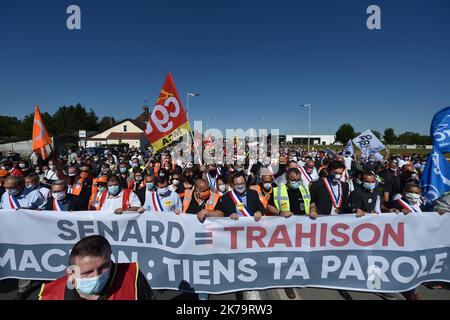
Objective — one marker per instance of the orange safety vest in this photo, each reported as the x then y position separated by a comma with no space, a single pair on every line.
263,198
77,186
123,285
210,204
96,201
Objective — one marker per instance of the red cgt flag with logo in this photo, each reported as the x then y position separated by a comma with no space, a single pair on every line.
41,138
168,120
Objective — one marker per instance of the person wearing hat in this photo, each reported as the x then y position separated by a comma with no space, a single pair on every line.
409,175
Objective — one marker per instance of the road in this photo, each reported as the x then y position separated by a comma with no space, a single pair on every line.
8,289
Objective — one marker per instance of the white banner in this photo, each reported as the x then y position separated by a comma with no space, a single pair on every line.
380,253
368,143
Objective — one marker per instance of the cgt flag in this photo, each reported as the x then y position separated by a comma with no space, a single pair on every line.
41,138
435,180
168,121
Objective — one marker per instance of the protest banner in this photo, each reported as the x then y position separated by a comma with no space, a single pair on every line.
377,253
168,121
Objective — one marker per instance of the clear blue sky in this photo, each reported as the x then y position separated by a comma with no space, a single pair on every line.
248,59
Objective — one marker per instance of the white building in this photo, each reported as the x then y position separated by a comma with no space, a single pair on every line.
316,140
128,131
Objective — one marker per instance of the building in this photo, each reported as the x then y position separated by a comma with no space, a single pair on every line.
316,140
128,131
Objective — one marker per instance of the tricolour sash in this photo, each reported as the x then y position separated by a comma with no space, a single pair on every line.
57,205
406,205
336,200
240,204
14,203
156,202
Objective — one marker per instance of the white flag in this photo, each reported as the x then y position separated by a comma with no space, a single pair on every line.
349,148
368,143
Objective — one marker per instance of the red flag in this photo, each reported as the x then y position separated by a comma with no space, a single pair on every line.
168,121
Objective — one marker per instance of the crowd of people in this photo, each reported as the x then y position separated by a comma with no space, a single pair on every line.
295,182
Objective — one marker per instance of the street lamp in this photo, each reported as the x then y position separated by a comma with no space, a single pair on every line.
308,105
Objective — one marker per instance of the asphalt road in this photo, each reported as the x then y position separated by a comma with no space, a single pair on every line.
8,290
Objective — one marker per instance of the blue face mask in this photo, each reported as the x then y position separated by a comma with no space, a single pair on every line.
123,170
369,186
94,285
150,185
114,190
295,184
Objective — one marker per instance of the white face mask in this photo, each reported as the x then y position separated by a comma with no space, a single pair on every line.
58,195
222,188
163,191
413,197
176,182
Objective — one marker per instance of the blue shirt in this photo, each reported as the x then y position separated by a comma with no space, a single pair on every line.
27,199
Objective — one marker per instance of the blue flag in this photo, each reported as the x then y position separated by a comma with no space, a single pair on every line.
440,130
435,180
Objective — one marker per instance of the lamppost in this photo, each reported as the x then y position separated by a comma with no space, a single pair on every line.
308,105
189,94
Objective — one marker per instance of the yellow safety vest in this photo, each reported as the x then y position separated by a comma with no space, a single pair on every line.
281,198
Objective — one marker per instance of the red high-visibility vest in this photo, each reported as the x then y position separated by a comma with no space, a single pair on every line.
123,286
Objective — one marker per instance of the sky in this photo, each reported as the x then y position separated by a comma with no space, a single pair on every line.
253,61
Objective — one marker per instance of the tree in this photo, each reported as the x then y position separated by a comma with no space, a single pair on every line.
345,133
106,123
389,136
73,118
377,134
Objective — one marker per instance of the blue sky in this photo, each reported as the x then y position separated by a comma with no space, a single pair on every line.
252,61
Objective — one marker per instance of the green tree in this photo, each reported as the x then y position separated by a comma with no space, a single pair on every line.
377,134
73,118
345,133
389,136
106,123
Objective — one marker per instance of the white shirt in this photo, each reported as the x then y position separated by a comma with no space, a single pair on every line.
51,175
112,203
169,203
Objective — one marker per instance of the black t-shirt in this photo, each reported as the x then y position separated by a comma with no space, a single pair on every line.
194,207
362,199
296,202
253,203
392,184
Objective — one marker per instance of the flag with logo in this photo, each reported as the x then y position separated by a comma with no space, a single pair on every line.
41,138
435,179
368,143
440,130
168,121
349,148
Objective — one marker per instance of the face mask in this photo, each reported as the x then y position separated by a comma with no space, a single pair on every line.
94,285
369,186
267,186
114,190
240,188
413,197
138,178
176,182
222,188
414,176
371,160
123,170
22,165
84,175
150,185
58,195
13,192
52,167
102,189
238,169
135,165
72,174
294,184
204,195
30,186
38,171
163,191
335,178
189,165
309,170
